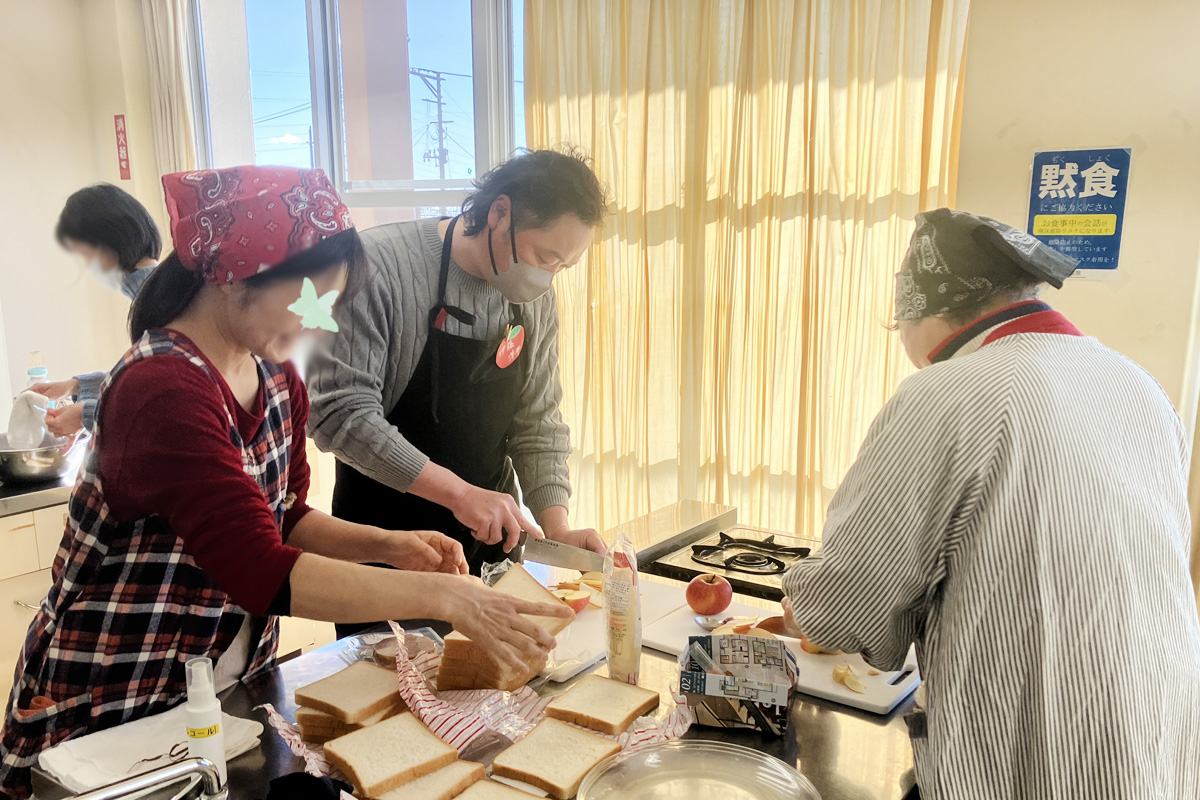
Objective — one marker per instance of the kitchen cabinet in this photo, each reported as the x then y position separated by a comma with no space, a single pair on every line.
19,597
18,543
298,635
48,527
295,634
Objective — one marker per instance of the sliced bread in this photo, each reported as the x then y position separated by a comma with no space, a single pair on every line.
318,727
602,704
467,665
380,758
354,694
554,757
519,583
491,790
449,781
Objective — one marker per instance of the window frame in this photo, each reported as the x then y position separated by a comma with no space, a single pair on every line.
495,117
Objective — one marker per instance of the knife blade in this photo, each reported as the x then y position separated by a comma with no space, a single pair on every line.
557,554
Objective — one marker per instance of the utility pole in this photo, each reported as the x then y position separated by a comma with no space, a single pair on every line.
433,81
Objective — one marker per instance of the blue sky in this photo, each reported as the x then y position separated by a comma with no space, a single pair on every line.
439,39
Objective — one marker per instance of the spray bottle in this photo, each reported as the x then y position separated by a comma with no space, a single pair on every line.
204,735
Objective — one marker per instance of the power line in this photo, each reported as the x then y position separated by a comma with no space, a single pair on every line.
433,79
284,113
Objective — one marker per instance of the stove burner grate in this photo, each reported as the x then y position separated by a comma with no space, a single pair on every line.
754,556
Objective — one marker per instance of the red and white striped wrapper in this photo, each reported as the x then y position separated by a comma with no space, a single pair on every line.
315,762
462,717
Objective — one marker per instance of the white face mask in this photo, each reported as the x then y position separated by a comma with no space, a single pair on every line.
521,283
108,278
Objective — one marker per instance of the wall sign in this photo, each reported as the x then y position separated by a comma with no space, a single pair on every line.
1077,203
122,146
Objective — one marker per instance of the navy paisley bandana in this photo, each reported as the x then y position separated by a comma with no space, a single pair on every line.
956,259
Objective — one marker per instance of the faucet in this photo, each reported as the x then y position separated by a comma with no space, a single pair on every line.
200,768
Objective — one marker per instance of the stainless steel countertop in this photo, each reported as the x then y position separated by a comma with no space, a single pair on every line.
846,753
18,498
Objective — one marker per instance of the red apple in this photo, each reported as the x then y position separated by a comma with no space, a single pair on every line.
577,600
709,594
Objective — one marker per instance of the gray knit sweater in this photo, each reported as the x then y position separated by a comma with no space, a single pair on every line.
357,377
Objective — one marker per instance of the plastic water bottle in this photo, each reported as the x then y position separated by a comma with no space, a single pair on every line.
204,735
36,375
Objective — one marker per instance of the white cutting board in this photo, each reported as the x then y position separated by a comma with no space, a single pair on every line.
884,691
584,642
670,633
814,674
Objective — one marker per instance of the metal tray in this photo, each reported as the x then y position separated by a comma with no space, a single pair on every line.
685,770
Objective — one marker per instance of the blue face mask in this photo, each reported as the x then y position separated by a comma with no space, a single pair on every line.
108,278
521,283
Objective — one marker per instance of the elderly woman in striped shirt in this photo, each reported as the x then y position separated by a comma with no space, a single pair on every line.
1018,511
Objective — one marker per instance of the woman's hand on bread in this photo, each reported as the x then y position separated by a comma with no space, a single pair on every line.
426,551
493,620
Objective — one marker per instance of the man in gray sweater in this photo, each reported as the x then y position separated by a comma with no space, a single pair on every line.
443,375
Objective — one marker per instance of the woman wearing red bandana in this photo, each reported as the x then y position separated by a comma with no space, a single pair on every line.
188,530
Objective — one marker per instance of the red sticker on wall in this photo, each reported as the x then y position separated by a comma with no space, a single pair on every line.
122,146
510,348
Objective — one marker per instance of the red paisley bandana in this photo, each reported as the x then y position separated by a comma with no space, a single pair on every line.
229,224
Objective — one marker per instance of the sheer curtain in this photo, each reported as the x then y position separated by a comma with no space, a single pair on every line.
166,30
725,337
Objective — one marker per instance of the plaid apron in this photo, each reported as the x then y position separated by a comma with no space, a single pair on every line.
128,607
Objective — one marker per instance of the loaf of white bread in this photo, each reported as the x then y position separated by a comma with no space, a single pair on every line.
467,665
360,695
554,757
602,704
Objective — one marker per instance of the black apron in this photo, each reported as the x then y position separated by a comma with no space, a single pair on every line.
457,409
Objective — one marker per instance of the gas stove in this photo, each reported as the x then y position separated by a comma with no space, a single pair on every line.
752,559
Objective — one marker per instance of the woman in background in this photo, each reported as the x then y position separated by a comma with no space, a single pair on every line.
119,243
189,531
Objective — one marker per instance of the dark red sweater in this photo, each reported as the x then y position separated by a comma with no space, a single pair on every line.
165,451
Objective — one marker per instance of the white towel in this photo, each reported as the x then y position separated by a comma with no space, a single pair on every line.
104,757
27,421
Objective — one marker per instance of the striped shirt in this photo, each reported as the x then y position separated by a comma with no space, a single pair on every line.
1019,513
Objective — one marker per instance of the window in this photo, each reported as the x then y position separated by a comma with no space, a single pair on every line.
280,82
403,102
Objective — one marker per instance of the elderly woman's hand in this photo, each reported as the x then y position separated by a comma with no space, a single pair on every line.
790,628
56,390
66,421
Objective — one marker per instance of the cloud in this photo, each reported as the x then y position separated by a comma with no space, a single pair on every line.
287,138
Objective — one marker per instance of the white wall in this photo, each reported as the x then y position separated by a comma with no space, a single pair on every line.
119,83
1099,73
46,152
227,71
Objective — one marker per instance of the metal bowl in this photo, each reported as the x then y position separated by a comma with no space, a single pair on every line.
50,462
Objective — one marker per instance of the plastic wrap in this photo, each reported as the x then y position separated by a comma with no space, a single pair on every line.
623,610
478,723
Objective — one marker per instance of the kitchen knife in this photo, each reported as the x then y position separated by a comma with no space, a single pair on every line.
557,554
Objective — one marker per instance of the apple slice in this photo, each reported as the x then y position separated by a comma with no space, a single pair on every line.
771,624
808,646
574,598
845,675
760,633
595,596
